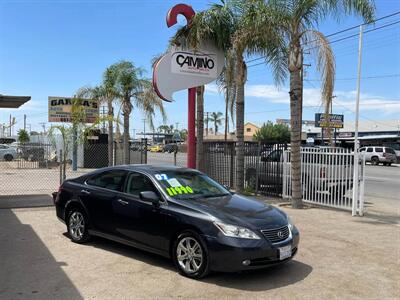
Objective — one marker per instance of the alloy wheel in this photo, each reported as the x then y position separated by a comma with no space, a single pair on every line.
77,225
189,255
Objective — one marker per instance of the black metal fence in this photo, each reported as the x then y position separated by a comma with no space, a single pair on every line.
262,165
137,153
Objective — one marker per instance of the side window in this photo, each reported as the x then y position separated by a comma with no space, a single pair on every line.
378,149
390,150
112,180
369,150
139,183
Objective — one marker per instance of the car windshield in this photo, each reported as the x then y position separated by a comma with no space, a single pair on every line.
189,185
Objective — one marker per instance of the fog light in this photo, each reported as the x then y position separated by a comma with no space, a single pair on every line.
246,262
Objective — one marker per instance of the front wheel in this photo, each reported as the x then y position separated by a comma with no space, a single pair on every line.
8,157
77,225
190,255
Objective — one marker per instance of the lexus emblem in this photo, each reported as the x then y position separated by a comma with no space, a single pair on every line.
280,234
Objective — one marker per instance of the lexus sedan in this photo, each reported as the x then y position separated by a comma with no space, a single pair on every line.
179,213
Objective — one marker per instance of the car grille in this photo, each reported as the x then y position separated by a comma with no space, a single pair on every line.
276,235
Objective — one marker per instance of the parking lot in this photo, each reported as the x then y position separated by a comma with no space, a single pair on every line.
340,257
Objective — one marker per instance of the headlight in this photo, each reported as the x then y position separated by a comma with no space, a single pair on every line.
236,231
290,223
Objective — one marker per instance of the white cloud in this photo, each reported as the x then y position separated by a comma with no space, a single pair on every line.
312,97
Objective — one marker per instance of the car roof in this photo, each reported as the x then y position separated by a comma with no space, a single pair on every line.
151,169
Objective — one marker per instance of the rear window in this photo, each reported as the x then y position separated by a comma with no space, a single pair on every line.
378,149
390,150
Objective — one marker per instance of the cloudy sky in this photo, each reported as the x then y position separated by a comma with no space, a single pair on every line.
52,48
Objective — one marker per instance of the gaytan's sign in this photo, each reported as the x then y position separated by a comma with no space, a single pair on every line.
60,109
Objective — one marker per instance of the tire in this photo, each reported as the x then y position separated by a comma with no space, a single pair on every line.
375,161
195,263
389,164
385,164
8,157
77,226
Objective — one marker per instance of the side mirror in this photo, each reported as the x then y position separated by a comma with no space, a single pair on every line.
151,197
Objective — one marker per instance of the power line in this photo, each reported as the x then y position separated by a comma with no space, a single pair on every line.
341,31
365,77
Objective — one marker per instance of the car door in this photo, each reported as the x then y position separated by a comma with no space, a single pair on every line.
139,220
97,195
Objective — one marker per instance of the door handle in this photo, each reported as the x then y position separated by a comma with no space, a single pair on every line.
85,192
123,202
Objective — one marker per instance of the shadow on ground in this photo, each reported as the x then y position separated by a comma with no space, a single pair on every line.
259,280
28,269
25,201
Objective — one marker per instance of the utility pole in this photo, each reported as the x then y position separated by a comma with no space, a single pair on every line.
9,130
133,133
356,142
144,128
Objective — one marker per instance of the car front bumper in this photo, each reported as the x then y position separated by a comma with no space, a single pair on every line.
228,254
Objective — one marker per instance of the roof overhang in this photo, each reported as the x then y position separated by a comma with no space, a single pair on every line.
13,101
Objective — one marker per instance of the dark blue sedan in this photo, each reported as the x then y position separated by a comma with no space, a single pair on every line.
178,213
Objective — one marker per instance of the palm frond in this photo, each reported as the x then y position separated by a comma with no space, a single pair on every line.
325,62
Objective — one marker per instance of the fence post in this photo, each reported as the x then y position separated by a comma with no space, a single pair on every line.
362,186
145,151
258,157
61,167
232,167
175,152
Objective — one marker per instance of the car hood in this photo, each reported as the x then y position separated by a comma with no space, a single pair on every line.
240,210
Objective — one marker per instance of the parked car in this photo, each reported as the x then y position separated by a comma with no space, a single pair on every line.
7,153
317,176
378,154
156,148
178,213
170,148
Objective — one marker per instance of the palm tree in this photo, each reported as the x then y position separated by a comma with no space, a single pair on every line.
133,90
200,128
296,23
105,93
217,120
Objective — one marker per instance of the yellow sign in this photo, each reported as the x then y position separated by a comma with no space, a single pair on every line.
60,109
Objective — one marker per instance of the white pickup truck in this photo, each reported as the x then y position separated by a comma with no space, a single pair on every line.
326,171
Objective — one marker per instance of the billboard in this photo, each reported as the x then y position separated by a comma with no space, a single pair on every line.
60,109
333,121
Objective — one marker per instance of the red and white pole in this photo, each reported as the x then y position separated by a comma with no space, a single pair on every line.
188,12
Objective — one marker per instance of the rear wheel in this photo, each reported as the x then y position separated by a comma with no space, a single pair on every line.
375,160
77,225
190,255
8,157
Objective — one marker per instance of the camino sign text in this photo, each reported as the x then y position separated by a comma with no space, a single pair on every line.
182,68
333,121
60,109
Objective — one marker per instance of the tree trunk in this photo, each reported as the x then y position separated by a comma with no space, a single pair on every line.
240,80
226,115
127,108
200,128
296,105
110,133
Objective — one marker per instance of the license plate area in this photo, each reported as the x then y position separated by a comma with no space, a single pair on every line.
285,252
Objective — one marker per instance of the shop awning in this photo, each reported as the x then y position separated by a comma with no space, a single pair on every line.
13,101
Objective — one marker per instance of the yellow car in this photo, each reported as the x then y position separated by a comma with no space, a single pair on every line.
156,148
